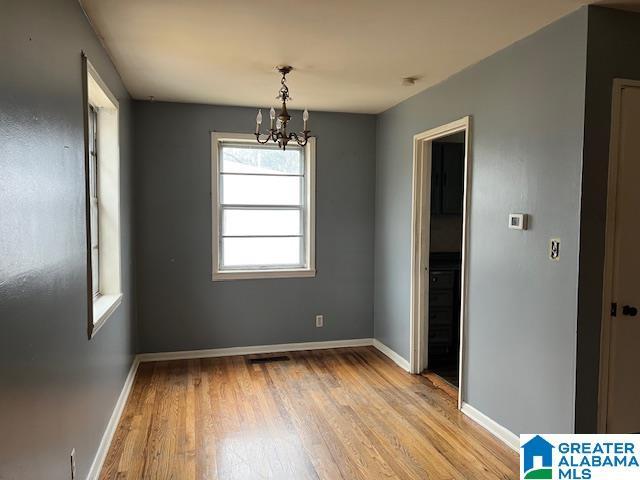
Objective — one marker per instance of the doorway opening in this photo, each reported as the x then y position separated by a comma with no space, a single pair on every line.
619,392
445,256
439,244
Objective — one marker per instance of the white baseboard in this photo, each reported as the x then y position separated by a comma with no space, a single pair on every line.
105,443
506,436
397,358
226,352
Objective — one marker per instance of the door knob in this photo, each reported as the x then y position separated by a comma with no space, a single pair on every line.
629,311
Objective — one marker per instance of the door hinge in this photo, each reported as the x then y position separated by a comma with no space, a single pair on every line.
614,309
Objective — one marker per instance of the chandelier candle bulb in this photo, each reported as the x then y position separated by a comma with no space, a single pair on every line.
258,121
305,118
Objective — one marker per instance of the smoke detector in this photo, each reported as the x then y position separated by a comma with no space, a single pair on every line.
409,81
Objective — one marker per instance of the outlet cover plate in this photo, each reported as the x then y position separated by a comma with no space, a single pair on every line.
554,249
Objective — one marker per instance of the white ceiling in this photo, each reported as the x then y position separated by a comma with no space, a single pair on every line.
348,55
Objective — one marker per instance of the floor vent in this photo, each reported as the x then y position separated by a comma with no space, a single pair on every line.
278,358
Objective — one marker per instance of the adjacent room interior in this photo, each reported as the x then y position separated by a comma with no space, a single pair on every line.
445,256
334,240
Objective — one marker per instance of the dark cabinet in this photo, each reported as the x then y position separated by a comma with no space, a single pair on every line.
436,180
441,311
447,178
444,308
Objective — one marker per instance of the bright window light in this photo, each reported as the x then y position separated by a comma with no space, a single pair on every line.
263,209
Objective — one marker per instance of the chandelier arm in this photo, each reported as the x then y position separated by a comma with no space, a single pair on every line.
303,142
266,140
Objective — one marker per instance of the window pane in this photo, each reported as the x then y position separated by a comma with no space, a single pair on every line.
93,180
94,222
261,222
260,190
95,271
261,252
264,160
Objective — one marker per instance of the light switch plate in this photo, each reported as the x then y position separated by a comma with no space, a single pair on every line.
518,221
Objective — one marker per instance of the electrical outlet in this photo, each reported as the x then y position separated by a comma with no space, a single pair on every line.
319,321
73,464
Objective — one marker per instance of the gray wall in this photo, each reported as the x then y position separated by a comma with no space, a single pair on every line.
180,308
57,388
613,46
527,103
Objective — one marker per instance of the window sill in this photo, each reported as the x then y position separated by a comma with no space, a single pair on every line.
103,307
258,274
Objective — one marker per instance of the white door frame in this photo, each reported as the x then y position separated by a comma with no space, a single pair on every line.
607,281
420,230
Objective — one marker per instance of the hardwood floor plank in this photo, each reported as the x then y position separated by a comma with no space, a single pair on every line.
340,414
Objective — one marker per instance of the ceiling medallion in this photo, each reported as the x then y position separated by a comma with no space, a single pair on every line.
278,127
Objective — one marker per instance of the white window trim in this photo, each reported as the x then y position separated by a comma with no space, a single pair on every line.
310,191
110,296
103,306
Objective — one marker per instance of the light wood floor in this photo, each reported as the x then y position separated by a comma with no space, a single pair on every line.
327,414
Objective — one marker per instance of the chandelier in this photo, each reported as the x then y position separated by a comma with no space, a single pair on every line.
278,127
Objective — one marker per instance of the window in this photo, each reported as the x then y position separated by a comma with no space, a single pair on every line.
93,201
263,209
102,159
